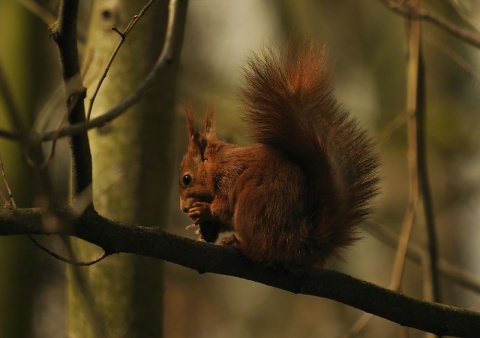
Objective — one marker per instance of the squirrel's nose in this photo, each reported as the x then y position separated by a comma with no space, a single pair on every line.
185,209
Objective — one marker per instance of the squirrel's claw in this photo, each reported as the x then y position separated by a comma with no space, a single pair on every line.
191,226
197,231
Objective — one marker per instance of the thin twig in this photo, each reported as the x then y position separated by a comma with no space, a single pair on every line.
76,128
413,196
4,199
463,14
416,112
405,8
10,201
416,133
48,159
425,190
41,12
393,125
10,135
402,247
415,253
164,57
453,55
68,260
123,37
411,110
416,136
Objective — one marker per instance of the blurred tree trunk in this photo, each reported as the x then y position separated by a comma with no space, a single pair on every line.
23,63
122,296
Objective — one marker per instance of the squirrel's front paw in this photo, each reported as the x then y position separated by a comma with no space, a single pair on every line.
200,212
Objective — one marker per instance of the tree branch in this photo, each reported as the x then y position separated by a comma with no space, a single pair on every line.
64,32
424,185
404,8
415,253
164,58
40,11
123,38
10,135
116,237
416,152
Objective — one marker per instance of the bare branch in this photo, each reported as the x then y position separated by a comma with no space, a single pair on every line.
64,32
417,149
463,13
116,237
41,12
415,254
9,202
10,135
164,58
417,175
123,37
425,191
412,108
453,55
101,257
404,8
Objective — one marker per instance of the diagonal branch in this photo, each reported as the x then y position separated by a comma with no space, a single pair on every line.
116,237
123,38
8,200
416,253
164,58
404,8
40,11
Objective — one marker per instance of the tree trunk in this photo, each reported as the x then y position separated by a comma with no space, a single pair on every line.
22,266
122,296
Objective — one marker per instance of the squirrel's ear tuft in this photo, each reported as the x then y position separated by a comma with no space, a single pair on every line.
198,142
191,128
210,121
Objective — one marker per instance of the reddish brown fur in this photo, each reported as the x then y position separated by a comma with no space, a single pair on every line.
296,196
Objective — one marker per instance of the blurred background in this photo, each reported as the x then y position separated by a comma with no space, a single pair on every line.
367,49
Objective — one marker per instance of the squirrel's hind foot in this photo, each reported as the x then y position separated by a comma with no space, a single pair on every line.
231,241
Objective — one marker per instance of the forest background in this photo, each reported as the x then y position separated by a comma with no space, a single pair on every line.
369,47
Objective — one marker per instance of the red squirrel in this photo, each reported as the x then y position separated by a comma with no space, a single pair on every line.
296,196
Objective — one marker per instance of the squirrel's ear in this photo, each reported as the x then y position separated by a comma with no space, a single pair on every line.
191,129
210,121
197,142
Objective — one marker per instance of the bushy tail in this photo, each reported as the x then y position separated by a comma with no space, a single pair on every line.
290,106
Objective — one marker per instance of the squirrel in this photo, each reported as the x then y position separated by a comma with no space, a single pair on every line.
296,195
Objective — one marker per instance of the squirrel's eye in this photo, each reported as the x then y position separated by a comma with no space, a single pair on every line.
187,179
